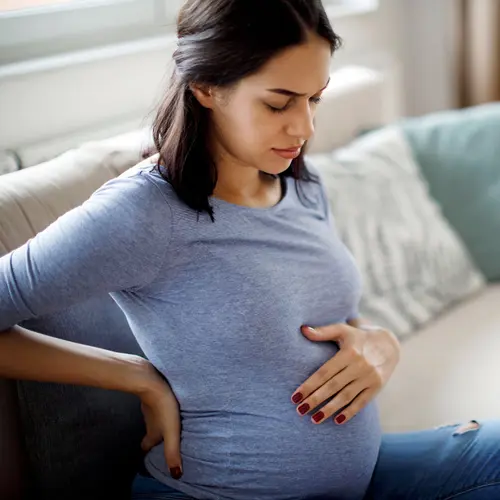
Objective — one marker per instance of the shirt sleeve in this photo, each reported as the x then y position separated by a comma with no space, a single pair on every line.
114,241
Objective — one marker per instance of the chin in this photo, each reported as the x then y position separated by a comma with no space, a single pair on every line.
276,167
273,172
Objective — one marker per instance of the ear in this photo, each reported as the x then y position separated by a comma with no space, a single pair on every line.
203,94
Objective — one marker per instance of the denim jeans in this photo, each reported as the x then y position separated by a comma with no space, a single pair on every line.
457,461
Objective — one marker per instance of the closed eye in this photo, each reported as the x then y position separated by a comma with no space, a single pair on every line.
314,100
277,110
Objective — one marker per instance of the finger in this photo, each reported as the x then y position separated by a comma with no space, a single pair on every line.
327,390
360,402
344,398
173,457
326,372
337,332
172,443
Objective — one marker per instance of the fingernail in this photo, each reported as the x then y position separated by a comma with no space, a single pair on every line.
340,419
310,329
176,472
297,397
318,416
303,408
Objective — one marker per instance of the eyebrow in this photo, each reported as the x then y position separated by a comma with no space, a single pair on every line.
290,93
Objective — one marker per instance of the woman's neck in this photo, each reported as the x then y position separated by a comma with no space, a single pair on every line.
245,185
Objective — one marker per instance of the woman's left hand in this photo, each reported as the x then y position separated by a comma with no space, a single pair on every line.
367,358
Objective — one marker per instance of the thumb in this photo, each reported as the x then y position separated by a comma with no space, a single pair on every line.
148,442
325,333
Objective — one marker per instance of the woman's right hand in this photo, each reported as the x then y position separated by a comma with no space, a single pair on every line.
163,422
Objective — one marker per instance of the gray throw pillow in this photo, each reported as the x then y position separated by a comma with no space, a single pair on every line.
82,443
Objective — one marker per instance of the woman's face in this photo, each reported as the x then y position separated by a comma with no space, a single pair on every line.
272,110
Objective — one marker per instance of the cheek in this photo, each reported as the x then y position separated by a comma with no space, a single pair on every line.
250,130
263,127
248,126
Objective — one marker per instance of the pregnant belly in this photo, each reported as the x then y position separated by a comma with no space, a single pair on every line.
273,455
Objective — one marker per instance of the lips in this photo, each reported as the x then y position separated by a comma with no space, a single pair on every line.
289,154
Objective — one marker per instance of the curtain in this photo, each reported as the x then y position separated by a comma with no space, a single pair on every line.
480,52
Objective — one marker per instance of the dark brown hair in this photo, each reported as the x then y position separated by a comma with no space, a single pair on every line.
219,43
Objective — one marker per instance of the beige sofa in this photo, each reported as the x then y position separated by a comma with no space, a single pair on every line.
448,372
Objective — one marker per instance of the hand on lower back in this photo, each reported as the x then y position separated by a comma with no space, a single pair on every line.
163,422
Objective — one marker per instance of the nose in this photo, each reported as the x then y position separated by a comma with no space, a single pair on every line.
301,122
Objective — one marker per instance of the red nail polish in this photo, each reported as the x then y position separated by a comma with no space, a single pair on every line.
318,416
297,397
340,419
175,472
304,408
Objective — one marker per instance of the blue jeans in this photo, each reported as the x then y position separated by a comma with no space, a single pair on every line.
459,462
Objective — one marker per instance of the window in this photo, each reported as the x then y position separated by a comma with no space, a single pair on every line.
35,28
348,7
38,28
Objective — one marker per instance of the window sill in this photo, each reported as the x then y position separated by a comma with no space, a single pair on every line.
87,56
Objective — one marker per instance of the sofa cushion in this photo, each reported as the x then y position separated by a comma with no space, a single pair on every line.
33,198
449,372
413,264
459,154
81,442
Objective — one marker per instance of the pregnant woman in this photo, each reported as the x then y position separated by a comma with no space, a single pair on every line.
222,253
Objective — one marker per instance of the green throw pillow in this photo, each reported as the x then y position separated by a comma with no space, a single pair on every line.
459,155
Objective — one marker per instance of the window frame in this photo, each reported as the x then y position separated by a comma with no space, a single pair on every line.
54,29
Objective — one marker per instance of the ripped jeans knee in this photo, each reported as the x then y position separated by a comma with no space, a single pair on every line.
471,426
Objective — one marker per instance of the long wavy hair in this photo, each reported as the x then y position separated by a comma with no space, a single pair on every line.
219,43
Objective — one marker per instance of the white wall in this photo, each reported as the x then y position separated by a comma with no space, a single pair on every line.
46,104
430,54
